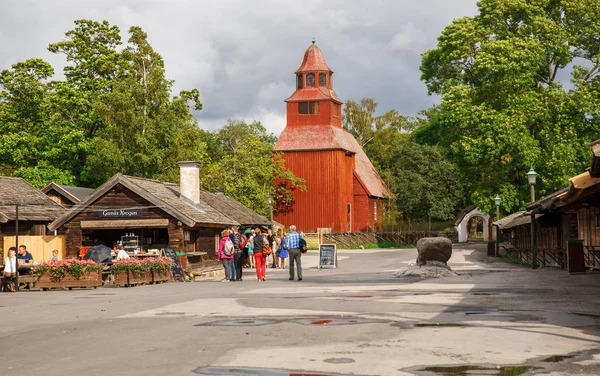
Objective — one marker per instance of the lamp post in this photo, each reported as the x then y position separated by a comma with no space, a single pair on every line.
531,179
531,175
497,202
270,202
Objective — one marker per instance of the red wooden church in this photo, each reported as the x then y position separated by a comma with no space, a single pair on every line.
344,191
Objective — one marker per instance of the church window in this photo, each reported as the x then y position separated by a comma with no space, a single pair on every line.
310,80
308,108
336,109
299,80
322,79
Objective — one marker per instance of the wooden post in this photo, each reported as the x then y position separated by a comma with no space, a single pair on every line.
533,243
17,245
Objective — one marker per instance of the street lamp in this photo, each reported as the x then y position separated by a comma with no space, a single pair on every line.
497,202
270,202
531,179
531,175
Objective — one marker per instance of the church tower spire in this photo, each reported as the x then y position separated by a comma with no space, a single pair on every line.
314,102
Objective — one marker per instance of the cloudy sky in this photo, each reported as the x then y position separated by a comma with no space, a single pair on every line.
242,55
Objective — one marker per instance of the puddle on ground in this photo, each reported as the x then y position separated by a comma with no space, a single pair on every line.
245,322
339,360
479,370
247,371
324,321
170,314
443,324
556,358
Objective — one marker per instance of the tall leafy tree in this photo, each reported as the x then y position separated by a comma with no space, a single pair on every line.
503,108
242,164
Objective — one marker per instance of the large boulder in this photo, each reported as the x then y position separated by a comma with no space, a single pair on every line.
432,260
434,251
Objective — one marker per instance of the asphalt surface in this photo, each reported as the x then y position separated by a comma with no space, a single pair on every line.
358,319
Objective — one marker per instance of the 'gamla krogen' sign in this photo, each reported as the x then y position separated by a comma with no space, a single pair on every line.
121,213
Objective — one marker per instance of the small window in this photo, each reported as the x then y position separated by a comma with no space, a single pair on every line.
308,108
299,81
303,108
336,109
310,80
322,79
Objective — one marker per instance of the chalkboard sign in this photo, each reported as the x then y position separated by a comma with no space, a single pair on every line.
176,268
327,255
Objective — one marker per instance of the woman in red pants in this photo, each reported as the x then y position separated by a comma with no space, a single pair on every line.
259,259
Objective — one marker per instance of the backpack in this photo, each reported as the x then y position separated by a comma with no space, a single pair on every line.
228,248
303,246
243,242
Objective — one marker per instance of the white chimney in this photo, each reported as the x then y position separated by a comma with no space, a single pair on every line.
189,181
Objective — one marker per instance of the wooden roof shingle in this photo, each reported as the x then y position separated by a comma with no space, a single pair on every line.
234,209
33,204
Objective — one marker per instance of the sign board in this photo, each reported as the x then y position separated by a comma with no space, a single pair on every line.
176,268
327,256
121,213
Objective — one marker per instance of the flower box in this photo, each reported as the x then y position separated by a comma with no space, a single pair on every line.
89,280
130,278
160,277
68,274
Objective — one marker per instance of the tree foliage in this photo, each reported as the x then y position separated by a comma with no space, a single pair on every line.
242,164
503,106
422,181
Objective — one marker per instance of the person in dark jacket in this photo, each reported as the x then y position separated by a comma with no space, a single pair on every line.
238,258
259,260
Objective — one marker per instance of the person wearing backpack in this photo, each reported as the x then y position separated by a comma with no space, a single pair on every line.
225,253
293,244
238,256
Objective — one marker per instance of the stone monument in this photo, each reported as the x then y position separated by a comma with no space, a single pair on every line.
432,260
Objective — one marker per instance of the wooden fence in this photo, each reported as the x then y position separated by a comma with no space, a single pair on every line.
357,239
40,247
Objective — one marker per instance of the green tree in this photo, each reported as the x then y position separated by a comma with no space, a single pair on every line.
502,108
147,132
242,163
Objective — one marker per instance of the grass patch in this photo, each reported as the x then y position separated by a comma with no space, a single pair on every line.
513,259
467,370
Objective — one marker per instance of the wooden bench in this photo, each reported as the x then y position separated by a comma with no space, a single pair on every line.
28,280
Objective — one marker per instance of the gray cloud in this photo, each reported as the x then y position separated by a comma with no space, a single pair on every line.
242,55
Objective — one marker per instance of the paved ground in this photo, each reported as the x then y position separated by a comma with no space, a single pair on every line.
355,320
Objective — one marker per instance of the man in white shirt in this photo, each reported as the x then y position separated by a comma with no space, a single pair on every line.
121,254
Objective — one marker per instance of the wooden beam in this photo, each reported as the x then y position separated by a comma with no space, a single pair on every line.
124,223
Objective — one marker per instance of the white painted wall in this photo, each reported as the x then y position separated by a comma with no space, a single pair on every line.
461,228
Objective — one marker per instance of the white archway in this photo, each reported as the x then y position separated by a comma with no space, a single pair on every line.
463,231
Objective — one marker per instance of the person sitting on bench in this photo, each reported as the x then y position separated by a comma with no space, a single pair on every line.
25,261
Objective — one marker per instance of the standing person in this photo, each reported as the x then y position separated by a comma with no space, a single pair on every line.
238,256
225,254
283,250
233,240
54,255
24,260
293,243
249,245
260,260
270,241
10,270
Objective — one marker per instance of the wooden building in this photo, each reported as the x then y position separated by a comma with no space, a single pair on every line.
65,195
246,217
344,192
567,216
159,214
36,211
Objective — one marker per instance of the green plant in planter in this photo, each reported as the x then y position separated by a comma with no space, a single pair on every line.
60,269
